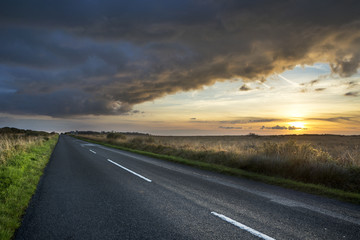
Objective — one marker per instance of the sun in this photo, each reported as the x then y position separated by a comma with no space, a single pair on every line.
297,125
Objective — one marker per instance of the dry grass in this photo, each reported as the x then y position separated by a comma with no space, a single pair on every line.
333,161
12,143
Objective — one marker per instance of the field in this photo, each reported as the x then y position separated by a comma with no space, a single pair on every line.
23,156
329,160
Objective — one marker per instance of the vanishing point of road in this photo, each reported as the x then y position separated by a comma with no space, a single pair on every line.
89,191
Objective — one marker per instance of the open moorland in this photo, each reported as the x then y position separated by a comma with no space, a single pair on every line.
329,160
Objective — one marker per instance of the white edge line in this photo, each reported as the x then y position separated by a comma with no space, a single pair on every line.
92,151
146,179
242,226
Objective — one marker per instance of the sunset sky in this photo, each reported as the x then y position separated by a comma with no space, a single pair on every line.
198,67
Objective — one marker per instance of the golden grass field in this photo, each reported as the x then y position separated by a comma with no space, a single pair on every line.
329,160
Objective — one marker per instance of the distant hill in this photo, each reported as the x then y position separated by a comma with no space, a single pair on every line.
105,132
11,130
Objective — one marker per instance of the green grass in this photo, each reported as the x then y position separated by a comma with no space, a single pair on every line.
19,177
292,184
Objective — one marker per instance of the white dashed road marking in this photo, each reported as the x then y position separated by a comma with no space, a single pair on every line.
242,226
146,179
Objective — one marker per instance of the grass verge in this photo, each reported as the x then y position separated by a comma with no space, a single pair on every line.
283,182
18,181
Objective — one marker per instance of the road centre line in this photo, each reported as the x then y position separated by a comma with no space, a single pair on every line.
92,151
242,226
146,179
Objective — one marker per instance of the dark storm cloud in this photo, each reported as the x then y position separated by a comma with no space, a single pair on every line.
334,119
245,120
308,86
244,88
104,57
352,94
230,128
352,84
250,120
311,83
296,128
59,103
277,127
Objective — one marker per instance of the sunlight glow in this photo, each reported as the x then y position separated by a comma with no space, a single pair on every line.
298,125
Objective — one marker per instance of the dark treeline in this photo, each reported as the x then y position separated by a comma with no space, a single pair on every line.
106,132
11,130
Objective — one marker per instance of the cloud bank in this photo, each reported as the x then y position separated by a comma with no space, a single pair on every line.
277,127
63,58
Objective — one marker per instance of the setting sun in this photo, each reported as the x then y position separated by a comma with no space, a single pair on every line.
297,125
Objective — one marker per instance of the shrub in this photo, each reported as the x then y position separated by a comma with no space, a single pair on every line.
114,135
149,140
136,141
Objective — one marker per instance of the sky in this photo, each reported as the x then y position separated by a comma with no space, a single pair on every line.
198,67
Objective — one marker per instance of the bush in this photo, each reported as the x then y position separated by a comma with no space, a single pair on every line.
136,142
149,140
115,135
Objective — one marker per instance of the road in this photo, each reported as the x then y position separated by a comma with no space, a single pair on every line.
90,191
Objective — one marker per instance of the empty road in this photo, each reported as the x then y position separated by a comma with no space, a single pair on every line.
90,191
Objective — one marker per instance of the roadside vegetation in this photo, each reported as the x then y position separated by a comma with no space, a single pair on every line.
328,164
23,156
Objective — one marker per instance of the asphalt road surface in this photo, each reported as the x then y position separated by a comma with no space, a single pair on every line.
90,191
